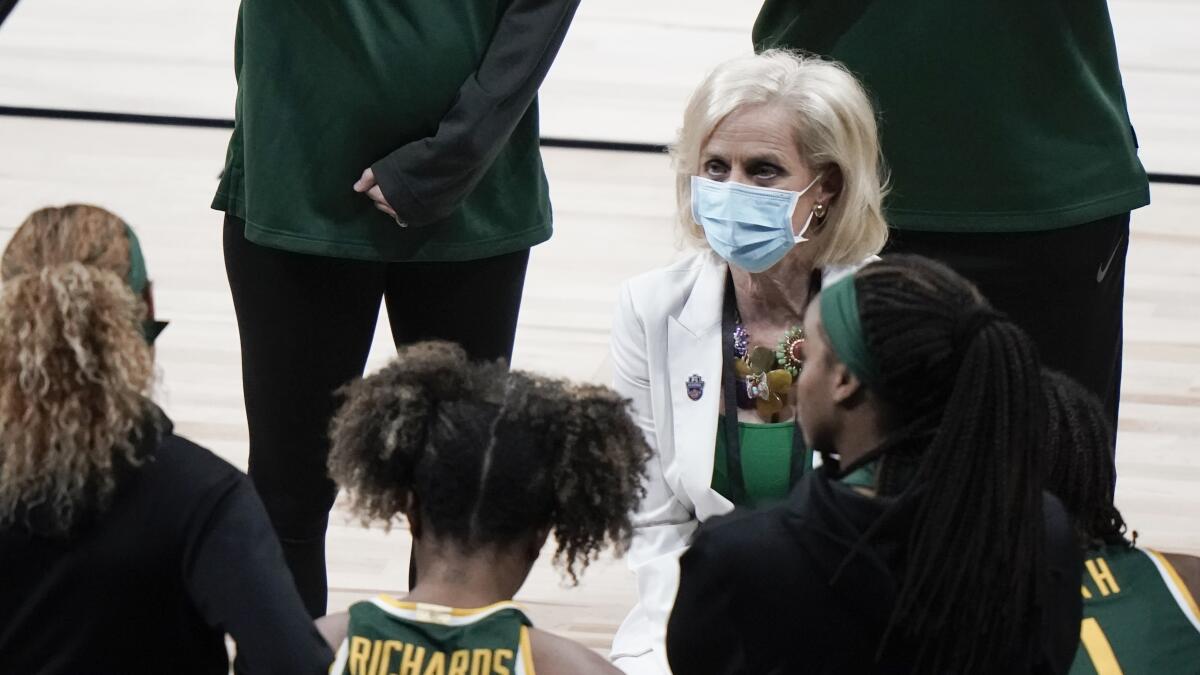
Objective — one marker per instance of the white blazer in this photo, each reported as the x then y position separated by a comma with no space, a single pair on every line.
667,331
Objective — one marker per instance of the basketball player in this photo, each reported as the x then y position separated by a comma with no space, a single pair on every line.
484,464
1139,605
950,558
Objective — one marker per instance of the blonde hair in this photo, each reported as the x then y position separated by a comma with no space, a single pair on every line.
833,125
74,366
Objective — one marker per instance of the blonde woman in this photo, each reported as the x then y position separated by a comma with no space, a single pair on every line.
124,548
779,185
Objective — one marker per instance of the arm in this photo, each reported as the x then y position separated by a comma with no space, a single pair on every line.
703,635
424,181
235,574
553,655
333,628
663,525
1188,569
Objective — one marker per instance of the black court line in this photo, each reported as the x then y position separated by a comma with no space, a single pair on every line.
128,118
222,123
549,142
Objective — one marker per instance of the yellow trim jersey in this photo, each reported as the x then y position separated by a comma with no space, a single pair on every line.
1138,616
390,637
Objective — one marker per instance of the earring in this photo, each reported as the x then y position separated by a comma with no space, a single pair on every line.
818,211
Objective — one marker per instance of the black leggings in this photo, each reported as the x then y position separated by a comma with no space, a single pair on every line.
1065,287
306,324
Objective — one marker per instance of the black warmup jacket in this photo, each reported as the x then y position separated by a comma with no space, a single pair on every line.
761,593
183,555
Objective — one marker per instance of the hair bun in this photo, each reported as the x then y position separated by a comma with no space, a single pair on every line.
441,369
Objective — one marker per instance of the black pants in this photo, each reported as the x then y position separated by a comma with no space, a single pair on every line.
1065,287
306,324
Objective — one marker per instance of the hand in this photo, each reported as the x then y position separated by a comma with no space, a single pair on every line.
368,185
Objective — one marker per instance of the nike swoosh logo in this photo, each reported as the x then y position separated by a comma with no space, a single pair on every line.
1103,271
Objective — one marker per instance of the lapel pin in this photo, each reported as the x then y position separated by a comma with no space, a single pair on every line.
695,387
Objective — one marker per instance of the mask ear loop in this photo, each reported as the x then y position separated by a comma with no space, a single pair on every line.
800,238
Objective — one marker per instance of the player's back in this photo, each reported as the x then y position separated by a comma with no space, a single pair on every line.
389,636
1138,615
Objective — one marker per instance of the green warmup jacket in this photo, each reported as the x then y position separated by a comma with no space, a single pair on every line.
438,98
995,115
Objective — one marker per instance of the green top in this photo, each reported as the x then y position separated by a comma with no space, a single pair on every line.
439,98
1138,617
994,116
766,461
387,636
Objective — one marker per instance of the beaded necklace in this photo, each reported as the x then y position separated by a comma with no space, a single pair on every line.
765,376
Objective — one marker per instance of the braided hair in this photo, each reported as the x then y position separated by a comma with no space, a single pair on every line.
491,456
1080,467
953,371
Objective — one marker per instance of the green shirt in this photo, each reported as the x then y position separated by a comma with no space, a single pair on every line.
388,636
994,116
766,462
1138,617
438,98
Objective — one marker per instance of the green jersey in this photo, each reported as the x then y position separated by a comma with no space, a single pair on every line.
994,116
1138,616
388,637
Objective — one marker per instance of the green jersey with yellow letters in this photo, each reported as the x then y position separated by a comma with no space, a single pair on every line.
388,637
1138,616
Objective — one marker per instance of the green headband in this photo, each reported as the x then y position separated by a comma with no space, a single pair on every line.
137,264
839,314
138,280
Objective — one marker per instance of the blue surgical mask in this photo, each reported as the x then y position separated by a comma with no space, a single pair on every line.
749,226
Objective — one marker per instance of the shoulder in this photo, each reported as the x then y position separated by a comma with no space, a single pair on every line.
743,535
832,273
1059,531
192,474
334,628
737,540
1187,571
670,285
177,455
1064,552
1057,521
553,655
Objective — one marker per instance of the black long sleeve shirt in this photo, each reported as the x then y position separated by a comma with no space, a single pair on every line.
766,592
183,555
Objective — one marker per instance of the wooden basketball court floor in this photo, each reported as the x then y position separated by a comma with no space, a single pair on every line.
623,75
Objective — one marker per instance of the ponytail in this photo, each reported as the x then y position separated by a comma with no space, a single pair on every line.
74,370
599,456
387,421
490,456
1080,466
956,370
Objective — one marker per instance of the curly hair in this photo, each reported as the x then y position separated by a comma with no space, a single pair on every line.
74,366
490,455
